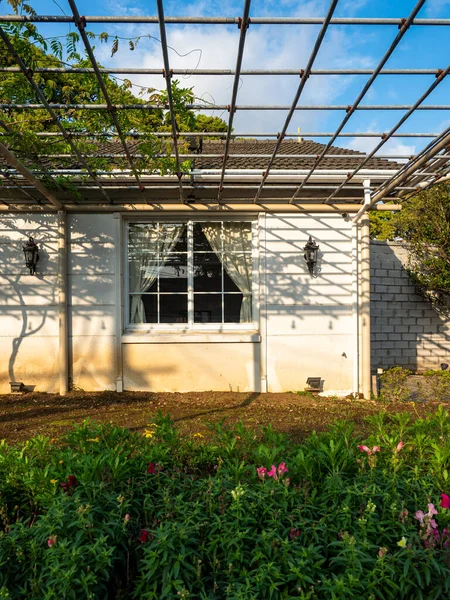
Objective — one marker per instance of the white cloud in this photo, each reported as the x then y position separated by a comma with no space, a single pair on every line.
436,8
267,47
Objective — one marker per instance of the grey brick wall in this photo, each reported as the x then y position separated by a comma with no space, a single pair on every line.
405,329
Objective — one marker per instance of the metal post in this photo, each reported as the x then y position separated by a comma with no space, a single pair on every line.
62,304
355,305
365,297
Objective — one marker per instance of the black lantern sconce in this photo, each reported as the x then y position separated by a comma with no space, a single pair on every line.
311,250
31,251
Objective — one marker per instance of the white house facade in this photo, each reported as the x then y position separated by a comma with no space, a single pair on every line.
192,297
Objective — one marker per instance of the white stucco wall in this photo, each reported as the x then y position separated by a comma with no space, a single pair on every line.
29,304
305,324
309,320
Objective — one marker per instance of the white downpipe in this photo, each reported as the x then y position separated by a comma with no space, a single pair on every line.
365,296
355,304
62,304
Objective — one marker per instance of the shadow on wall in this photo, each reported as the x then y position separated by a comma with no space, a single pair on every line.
29,303
406,330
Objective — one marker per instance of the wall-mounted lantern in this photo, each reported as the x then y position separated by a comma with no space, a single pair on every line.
311,249
31,251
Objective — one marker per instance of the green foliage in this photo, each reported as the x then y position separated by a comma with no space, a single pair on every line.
83,89
424,224
105,512
436,386
394,386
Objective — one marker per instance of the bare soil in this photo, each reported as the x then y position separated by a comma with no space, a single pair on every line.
23,416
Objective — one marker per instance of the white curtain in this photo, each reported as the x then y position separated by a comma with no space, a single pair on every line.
237,238
148,247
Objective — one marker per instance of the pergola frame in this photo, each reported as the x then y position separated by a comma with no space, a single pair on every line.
419,172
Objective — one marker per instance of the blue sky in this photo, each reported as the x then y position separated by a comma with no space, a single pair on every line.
277,47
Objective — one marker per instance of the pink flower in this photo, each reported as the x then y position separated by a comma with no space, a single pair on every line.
294,533
282,468
431,510
273,472
127,518
382,552
52,540
368,450
400,446
433,523
445,502
420,516
287,481
261,472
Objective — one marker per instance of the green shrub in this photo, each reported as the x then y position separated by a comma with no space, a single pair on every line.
436,386
394,385
107,513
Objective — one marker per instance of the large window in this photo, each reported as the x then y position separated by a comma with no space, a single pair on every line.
191,274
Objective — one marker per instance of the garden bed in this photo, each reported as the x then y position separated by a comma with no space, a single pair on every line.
23,416
105,513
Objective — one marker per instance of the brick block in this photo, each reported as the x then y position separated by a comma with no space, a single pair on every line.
408,352
381,273
381,289
409,337
416,328
424,321
401,329
402,345
387,329
408,321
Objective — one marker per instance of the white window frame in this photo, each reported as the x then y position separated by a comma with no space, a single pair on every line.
192,327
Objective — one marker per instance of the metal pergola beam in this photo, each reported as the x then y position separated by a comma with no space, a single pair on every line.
220,20
311,134
243,26
348,109
226,72
351,109
81,26
28,74
388,136
168,78
303,80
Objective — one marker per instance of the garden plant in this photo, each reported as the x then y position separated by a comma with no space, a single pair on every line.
241,514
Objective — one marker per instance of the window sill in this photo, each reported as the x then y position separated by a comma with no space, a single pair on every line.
189,337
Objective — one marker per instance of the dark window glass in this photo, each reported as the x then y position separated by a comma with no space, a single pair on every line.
233,306
208,308
150,307
173,274
201,243
173,308
207,273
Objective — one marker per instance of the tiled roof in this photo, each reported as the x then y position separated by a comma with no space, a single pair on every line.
287,147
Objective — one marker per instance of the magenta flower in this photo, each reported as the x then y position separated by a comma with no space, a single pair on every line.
261,472
144,536
52,540
445,502
282,468
400,446
294,533
375,449
273,472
